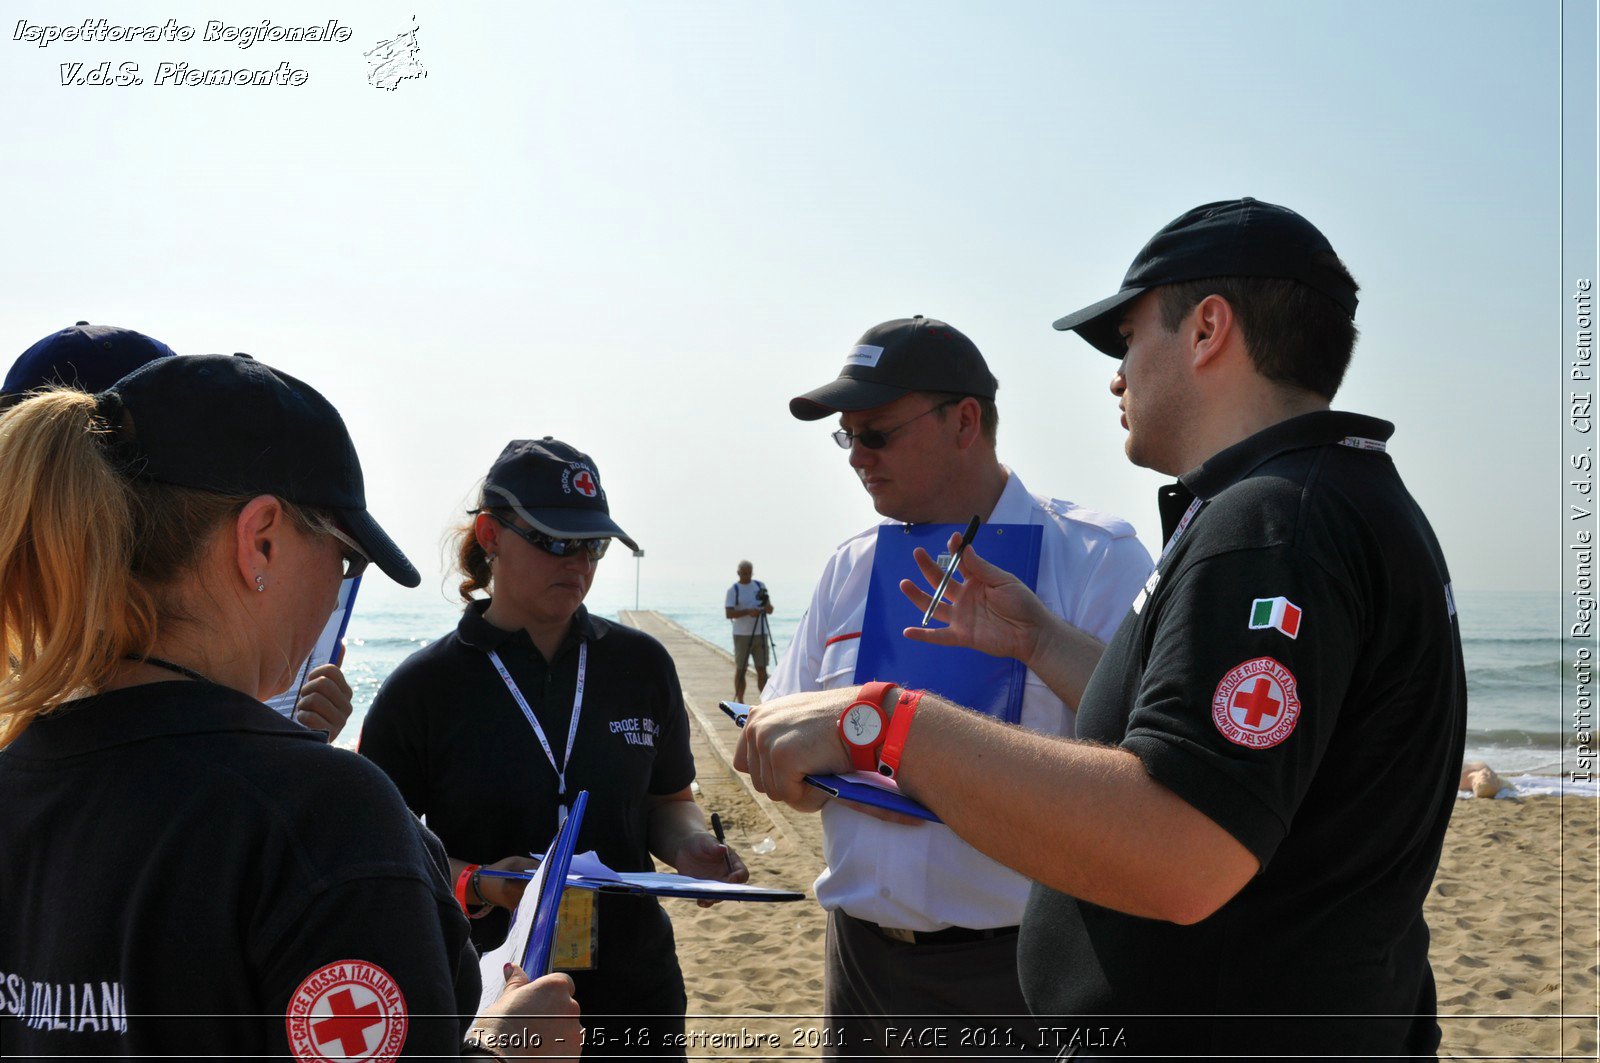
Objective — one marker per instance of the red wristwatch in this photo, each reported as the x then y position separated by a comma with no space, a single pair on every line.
864,724
894,740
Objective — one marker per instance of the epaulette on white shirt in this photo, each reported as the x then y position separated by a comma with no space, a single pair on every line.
1119,528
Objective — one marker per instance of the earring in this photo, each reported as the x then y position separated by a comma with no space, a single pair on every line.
261,583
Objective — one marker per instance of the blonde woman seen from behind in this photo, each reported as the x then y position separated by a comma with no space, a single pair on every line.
181,869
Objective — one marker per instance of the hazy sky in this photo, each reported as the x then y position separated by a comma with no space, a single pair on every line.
643,227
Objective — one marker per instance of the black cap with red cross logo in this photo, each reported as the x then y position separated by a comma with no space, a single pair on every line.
553,486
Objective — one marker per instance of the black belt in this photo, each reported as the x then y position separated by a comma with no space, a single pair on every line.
950,935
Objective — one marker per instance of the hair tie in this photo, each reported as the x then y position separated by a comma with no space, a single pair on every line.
109,416
108,411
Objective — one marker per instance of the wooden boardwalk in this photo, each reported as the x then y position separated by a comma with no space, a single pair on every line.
706,672
743,964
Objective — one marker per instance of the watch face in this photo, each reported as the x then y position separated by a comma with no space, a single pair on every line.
862,726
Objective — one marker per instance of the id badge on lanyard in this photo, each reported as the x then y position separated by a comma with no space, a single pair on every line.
538,732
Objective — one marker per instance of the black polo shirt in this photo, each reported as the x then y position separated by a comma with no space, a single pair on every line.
1294,672
183,871
448,732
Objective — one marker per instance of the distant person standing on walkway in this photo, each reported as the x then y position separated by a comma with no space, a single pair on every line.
748,605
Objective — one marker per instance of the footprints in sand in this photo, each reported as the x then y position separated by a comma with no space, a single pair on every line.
1503,946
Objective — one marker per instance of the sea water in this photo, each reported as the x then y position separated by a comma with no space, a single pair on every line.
1517,719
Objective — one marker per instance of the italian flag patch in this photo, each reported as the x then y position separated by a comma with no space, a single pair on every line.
1280,614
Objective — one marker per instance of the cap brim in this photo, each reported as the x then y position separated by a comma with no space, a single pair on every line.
844,395
379,547
1097,323
575,524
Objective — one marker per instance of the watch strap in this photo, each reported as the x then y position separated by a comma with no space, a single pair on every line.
894,738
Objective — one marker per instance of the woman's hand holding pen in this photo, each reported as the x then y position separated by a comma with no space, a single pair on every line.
988,609
701,855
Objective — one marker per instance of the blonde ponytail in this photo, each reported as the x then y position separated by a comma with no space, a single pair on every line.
70,606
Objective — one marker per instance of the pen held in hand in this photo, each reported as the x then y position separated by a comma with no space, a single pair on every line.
716,828
950,569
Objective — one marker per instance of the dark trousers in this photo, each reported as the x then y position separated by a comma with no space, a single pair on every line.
891,998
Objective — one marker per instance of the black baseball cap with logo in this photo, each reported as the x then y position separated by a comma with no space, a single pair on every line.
231,424
1230,238
895,359
555,487
87,357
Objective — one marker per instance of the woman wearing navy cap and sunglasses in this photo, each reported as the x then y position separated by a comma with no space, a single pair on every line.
183,871
491,732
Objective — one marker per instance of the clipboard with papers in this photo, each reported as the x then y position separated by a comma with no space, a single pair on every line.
533,923
588,872
862,787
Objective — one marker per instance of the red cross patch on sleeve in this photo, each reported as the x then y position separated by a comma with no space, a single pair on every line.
1256,704
347,1010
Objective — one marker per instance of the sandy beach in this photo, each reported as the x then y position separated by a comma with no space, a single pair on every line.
1513,912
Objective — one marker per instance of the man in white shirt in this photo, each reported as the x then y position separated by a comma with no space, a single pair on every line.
920,923
748,605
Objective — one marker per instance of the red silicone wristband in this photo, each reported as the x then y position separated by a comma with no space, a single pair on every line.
894,741
461,885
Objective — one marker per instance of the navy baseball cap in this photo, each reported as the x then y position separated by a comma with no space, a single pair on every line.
87,357
555,487
896,358
1229,238
230,424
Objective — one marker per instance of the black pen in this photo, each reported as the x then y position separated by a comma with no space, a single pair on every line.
950,569
716,828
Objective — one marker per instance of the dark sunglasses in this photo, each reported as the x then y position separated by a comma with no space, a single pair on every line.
595,548
355,558
878,438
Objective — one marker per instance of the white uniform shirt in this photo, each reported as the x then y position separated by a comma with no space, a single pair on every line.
924,877
743,596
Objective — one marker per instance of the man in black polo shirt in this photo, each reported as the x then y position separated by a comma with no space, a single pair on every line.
1232,858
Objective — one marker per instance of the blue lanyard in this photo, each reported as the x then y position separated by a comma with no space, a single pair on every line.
533,721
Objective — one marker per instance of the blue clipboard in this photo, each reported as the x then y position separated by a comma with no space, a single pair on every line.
843,786
864,793
991,685
656,884
536,957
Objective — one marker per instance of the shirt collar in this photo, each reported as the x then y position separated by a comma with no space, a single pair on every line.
118,718
1015,504
481,635
1227,467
